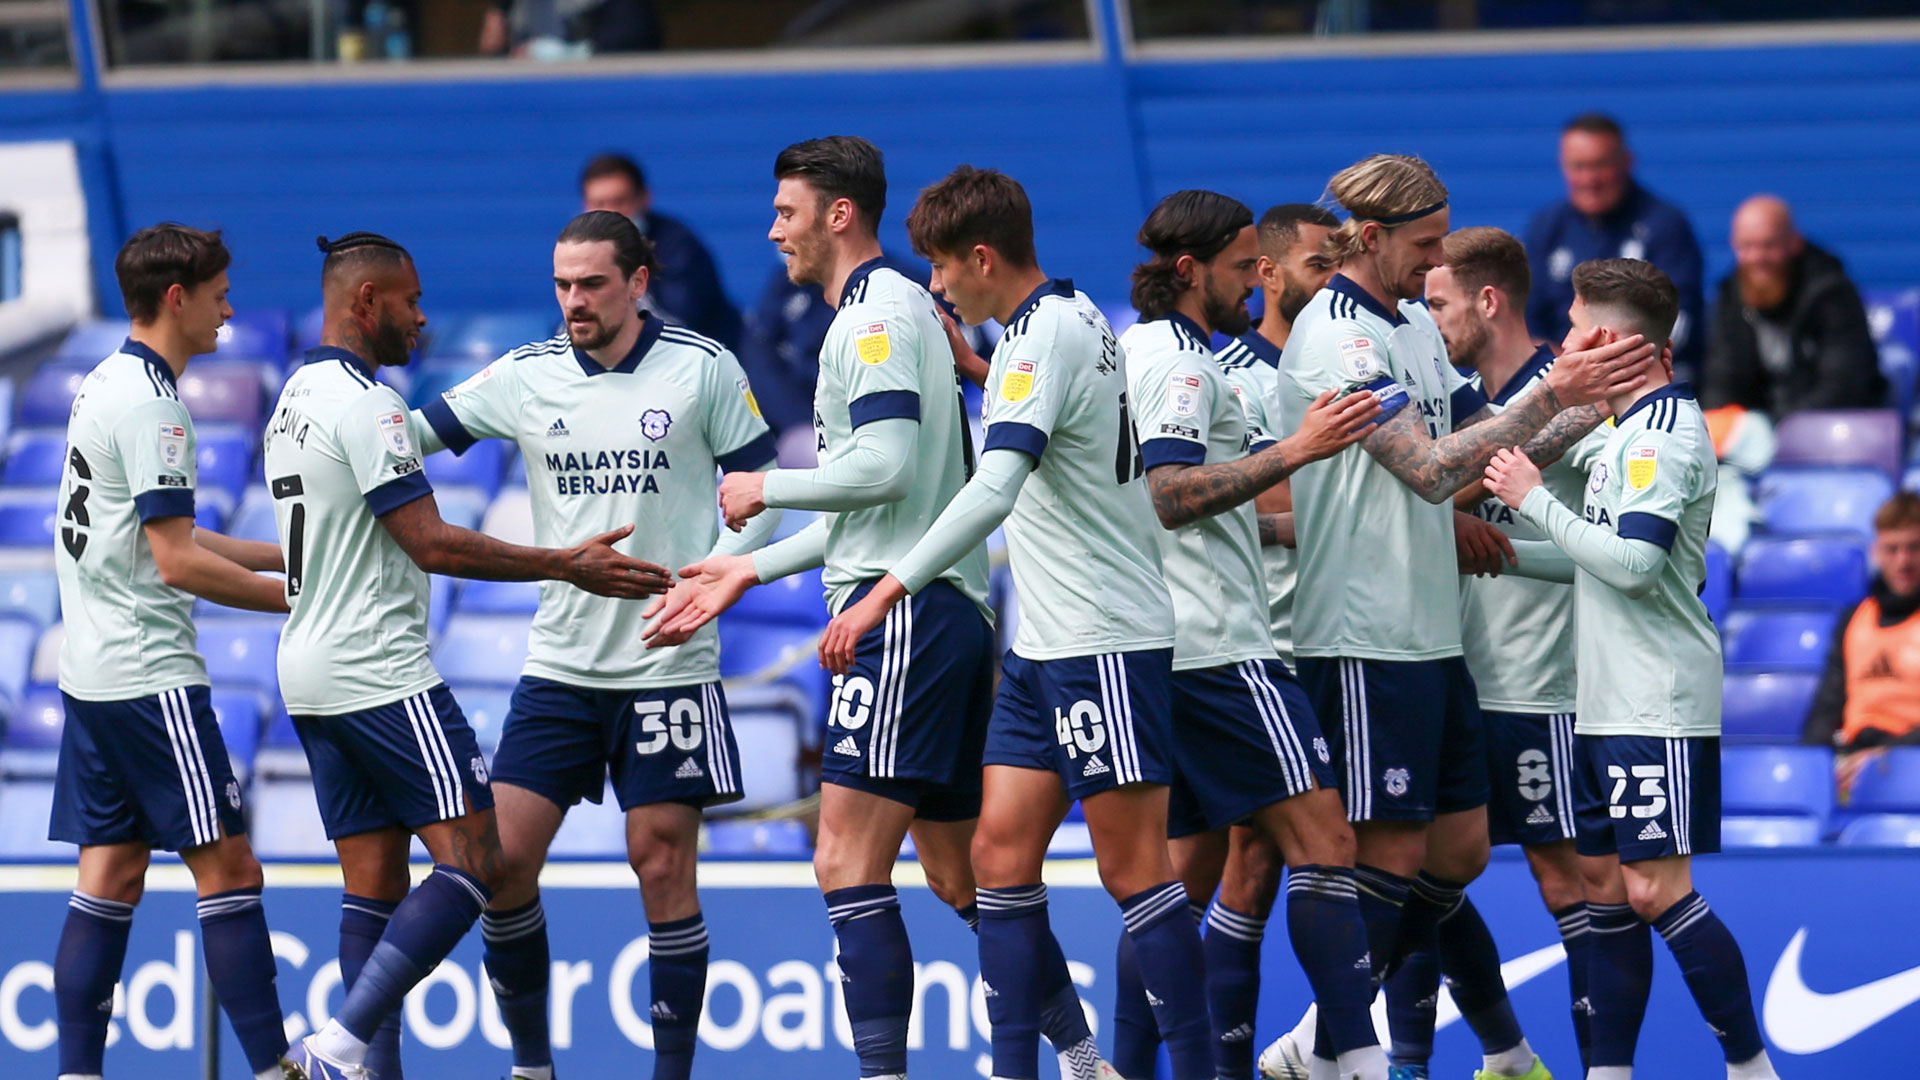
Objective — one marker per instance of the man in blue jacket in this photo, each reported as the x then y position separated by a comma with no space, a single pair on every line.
1607,215
687,290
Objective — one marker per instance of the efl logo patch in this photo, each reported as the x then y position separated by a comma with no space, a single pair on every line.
753,403
655,423
1183,394
173,445
1357,359
393,432
872,344
1643,463
1019,381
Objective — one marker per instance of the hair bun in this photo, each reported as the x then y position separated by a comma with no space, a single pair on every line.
326,245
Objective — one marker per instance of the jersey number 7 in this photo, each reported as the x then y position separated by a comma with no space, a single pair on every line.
290,487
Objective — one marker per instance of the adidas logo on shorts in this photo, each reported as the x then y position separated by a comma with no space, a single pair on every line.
847,746
1154,1001
1653,831
688,770
1540,816
1095,767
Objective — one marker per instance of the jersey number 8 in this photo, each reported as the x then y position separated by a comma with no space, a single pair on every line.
71,538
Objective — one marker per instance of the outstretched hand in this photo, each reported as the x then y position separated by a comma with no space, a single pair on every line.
706,589
597,568
1331,426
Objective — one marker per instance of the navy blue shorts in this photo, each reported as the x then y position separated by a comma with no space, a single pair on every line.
150,769
1099,721
1530,777
908,722
1642,797
409,763
667,744
1407,744
1244,737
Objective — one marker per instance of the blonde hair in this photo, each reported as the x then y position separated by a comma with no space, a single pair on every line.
1380,189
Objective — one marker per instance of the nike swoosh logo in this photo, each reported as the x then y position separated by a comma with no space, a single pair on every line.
1804,1021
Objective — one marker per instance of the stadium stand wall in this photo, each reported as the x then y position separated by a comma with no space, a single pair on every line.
477,176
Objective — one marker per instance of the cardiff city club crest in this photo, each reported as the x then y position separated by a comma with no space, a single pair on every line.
654,423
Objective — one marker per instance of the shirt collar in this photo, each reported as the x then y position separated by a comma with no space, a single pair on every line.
1671,390
1191,328
154,360
1344,285
649,333
859,275
1262,349
322,353
1049,287
1540,361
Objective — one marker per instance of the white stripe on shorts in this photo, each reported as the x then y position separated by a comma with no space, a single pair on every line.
195,785
445,785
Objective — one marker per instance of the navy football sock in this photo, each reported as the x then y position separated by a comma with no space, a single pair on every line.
1232,951
1716,973
1329,937
1136,1035
1471,962
1013,921
519,964
1383,900
677,961
1572,920
424,929
876,960
1413,994
93,945
1167,944
362,921
1619,978
234,936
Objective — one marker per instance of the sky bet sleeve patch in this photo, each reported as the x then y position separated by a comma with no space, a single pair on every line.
872,344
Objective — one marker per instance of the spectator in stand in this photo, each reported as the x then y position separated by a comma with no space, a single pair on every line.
1790,331
1869,698
687,290
1606,215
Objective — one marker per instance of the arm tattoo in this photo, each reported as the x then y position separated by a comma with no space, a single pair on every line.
1183,494
1436,468
1276,530
1561,432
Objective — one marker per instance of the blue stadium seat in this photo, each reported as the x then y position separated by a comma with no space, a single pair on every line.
761,649
794,600
1889,785
225,391
1894,317
225,458
483,337
440,590
517,474
758,838
308,328
17,637
791,521
286,820
462,506
1782,640
237,709
1882,831
1766,707
1803,570
1717,592
593,830
1822,500
6,408
92,341
437,376
485,708
486,649
1866,437
480,467
35,457
1777,781
254,519
259,335
772,725
23,827
498,597
37,722
242,650
278,731
1752,831
210,509
47,398
46,655
33,595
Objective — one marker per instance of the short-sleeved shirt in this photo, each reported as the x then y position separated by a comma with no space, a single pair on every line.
1519,632
1186,413
1652,665
886,356
1379,579
340,453
1080,539
130,460
1251,365
635,444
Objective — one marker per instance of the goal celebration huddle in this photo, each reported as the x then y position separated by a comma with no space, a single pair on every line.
1380,584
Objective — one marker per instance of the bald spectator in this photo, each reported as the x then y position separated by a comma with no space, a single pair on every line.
687,289
1608,215
1790,331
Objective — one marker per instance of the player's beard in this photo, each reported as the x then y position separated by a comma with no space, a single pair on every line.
390,345
599,338
1466,349
1228,316
808,263
1294,298
1763,289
